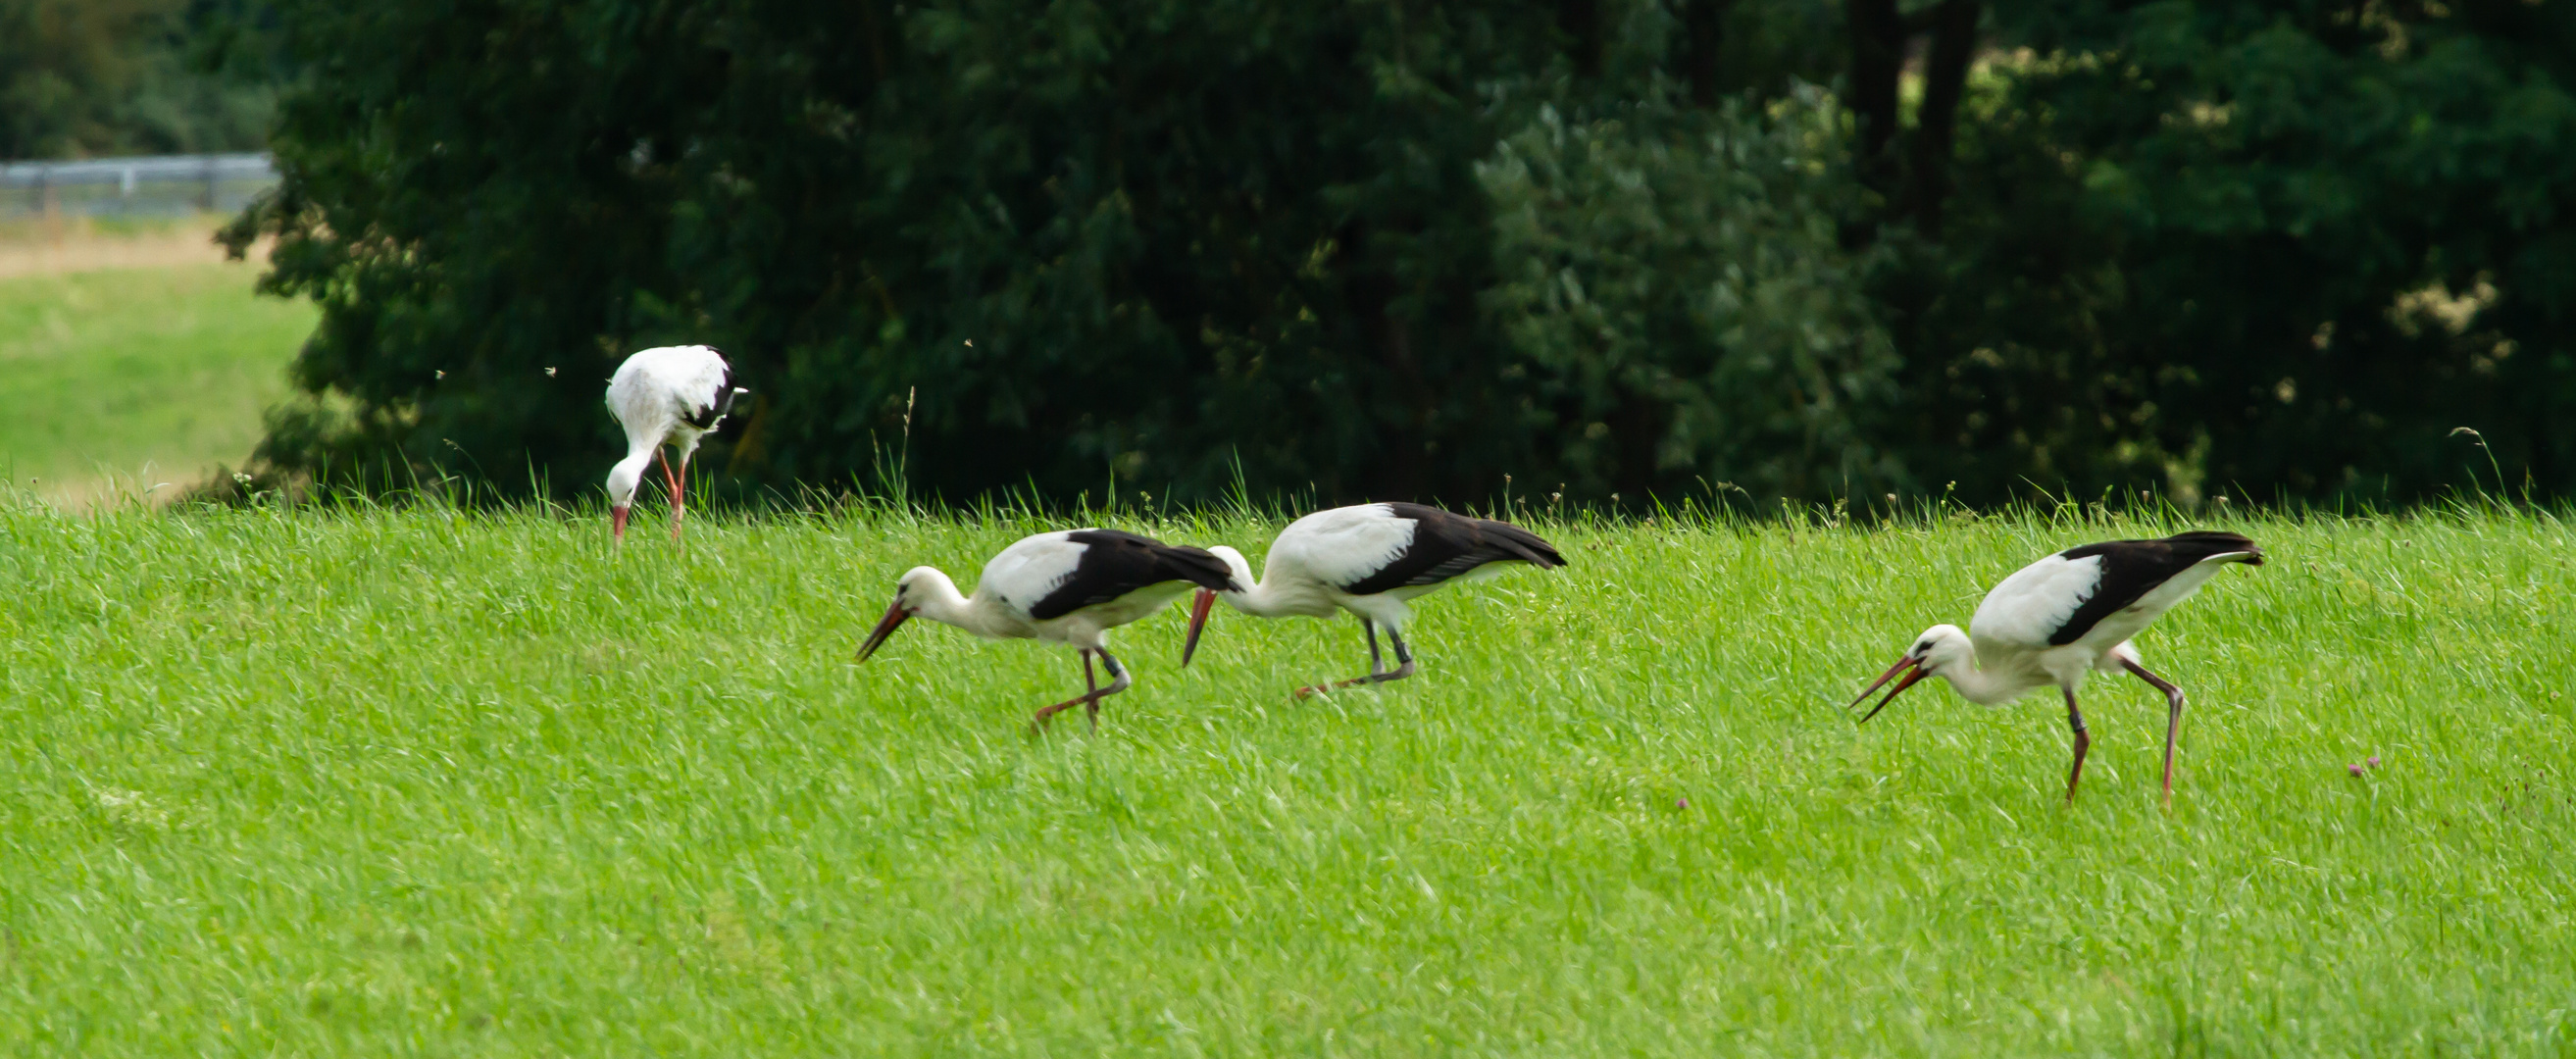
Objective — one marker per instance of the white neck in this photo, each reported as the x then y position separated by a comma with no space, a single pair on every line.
627,475
1259,600
643,438
936,598
638,456
1985,687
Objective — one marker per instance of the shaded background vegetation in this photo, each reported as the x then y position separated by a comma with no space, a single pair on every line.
87,78
1762,248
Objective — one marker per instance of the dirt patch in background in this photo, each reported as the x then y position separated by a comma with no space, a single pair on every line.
55,246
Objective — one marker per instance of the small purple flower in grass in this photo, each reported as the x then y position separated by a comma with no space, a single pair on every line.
2356,769
2374,761
1681,803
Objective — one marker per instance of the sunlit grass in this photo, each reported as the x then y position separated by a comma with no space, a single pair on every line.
461,784
121,379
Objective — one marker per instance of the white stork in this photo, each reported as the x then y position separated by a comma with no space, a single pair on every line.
1372,560
1069,587
669,394
2058,619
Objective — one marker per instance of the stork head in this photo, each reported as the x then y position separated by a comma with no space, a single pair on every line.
1939,652
622,480
1240,571
915,588
1239,574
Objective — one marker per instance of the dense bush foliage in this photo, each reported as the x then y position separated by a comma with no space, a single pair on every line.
1677,281
1634,246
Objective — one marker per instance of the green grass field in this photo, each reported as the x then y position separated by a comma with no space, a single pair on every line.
121,379
430,783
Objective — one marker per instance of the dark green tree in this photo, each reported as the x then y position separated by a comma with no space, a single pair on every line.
1674,279
2282,248
1059,242
1401,249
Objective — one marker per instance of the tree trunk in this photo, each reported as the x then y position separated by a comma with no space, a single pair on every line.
1878,55
1703,29
1391,387
1945,77
1581,22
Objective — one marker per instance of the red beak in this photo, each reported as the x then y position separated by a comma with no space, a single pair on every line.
617,522
1902,664
1198,620
894,616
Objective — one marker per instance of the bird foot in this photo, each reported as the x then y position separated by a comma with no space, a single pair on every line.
1043,720
1397,673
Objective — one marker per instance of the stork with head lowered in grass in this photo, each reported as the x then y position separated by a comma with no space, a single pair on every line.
1070,587
670,395
2059,619
1373,560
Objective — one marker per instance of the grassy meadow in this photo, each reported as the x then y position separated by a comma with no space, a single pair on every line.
446,783
119,379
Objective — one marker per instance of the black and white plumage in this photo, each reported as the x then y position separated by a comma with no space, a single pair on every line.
2055,621
1070,587
1372,560
667,395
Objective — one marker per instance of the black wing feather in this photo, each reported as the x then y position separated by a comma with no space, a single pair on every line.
1115,563
719,404
1446,545
2131,569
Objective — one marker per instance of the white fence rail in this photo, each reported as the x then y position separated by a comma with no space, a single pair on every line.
150,186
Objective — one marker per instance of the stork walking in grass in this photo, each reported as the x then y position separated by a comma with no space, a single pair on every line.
671,395
2059,619
1372,560
1068,587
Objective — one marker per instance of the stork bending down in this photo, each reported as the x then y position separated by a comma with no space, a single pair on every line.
2060,618
1069,587
1372,560
673,395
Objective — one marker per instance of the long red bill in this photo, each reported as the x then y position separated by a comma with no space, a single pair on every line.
1899,689
1882,680
1198,620
617,522
894,617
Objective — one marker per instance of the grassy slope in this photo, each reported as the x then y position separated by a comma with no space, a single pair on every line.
423,784
109,373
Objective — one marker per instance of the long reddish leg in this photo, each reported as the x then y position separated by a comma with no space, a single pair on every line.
669,481
2083,742
2173,718
1091,694
1090,698
679,493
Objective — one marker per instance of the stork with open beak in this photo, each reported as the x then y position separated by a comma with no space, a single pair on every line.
2059,619
1068,587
